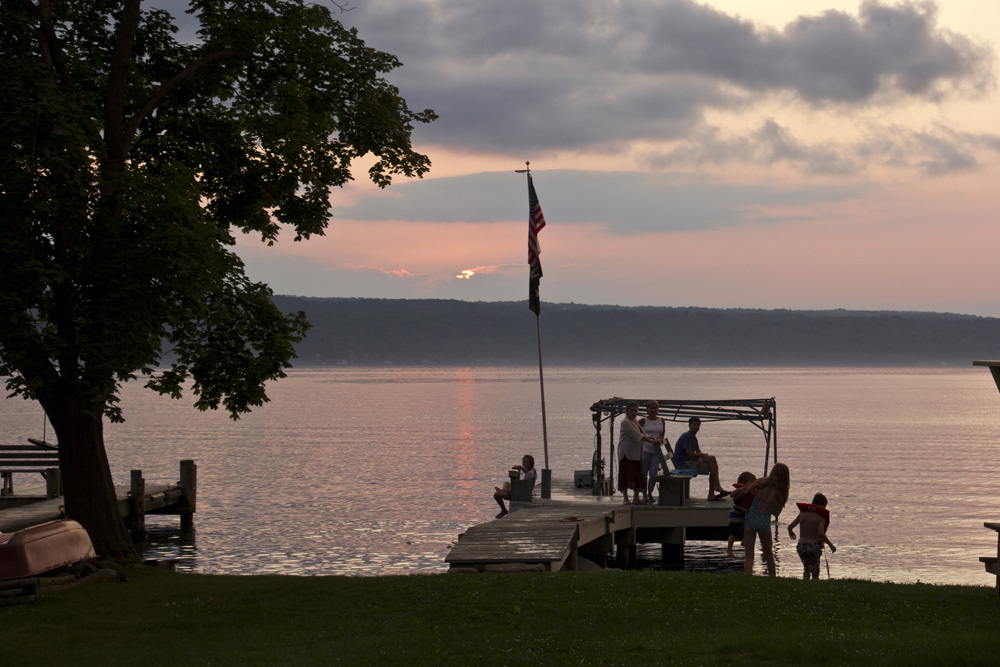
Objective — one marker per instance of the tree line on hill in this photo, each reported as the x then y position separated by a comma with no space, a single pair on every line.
435,332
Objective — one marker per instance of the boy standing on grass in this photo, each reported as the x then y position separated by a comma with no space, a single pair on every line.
814,519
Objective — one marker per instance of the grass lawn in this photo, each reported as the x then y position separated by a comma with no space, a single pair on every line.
158,617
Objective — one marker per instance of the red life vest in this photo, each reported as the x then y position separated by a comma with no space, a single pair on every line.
822,511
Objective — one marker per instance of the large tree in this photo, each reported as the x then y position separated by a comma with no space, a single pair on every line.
129,159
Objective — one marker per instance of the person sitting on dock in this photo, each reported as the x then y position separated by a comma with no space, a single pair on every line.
630,454
528,474
687,454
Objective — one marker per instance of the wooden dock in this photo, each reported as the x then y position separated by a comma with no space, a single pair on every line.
30,507
555,534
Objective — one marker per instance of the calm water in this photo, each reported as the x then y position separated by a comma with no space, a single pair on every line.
376,471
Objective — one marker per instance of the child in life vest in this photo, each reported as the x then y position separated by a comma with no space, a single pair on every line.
739,511
813,519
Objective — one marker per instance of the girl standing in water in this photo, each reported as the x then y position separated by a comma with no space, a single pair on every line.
769,497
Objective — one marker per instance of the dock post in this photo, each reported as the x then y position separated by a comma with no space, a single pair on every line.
189,489
53,483
672,550
137,507
625,546
573,561
625,556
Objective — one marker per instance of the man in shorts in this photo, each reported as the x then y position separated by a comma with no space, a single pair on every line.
687,454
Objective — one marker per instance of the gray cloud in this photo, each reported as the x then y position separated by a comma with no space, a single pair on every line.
935,151
517,78
589,73
624,202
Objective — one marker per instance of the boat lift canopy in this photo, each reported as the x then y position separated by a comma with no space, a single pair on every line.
994,367
760,412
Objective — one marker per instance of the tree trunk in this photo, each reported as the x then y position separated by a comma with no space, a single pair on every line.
88,489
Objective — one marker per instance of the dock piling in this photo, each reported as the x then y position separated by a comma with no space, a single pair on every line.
136,519
189,491
53,483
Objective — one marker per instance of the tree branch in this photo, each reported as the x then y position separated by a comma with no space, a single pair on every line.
113,165
48,41
128,134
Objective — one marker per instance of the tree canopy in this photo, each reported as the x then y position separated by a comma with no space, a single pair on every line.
129,160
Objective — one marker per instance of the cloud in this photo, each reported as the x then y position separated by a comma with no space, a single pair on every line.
605,76
592,73
937,150
625,202
395,273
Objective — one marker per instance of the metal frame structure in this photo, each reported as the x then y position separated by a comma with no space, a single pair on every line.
760,412
994,367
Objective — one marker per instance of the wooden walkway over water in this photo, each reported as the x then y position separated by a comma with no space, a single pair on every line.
30,507
554,534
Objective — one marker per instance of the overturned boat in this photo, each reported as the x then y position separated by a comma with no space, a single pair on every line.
43,548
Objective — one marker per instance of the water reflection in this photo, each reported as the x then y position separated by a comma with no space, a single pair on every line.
165,541
377,471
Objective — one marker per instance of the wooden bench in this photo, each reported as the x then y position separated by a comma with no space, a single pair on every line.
37,457
991,561
674,489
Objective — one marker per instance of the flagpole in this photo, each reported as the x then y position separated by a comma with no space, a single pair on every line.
546,472
534,303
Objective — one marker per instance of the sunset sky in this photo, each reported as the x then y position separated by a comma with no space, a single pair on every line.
808,154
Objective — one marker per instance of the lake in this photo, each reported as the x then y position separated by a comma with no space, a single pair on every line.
374,471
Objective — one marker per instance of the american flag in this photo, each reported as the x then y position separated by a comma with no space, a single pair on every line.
536,221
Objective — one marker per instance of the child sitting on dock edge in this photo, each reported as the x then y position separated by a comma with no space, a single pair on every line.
528,474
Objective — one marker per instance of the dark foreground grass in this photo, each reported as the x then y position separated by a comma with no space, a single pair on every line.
607,618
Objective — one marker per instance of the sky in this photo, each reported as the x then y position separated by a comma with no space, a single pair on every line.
809,154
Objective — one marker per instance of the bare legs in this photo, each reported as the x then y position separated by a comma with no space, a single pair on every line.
749,544
767,543
713,475
767,546
501,495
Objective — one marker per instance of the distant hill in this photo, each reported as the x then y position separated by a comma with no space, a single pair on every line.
441,332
